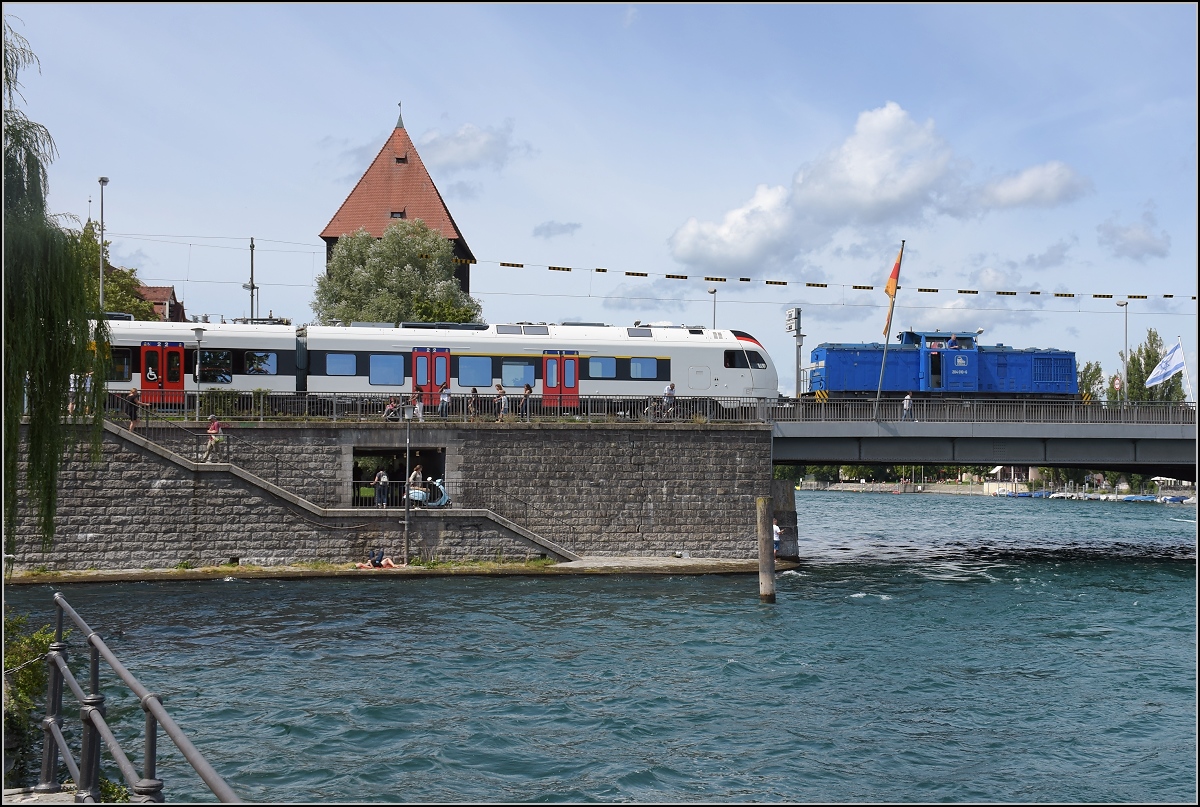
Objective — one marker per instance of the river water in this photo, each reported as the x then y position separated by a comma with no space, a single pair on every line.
931,648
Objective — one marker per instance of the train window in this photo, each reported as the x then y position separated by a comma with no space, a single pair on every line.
260,363
421,369
474,371
537,330
174,367
516,373
386,368
340,364
150,365
551,379
756,360
441,369
639,332
121,367
569,373
508,329
602,367
643,368
736,359
216,366
966,343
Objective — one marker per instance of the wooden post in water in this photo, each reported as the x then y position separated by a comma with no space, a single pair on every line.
766,551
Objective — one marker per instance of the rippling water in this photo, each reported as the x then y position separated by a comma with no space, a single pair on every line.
931,648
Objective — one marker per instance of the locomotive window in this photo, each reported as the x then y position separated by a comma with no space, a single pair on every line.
756,360
340,364
537,330
259,363
474,371
121,367
639,332
736,359
174,367
966,343
508,329
386,368
216,366
602,367
643,368
516,373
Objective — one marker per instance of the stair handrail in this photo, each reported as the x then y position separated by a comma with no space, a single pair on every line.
86,774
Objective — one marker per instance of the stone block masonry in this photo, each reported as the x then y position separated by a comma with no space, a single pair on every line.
593,489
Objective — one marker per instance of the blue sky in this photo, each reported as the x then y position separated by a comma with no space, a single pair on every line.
1015,148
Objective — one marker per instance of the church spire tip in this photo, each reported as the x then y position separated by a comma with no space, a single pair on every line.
400,118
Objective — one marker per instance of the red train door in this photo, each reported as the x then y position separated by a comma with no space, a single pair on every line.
162,373
560,378
431,369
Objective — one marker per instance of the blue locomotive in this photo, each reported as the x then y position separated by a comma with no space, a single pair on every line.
942,363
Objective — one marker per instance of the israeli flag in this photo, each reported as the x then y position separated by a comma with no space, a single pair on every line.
1171,364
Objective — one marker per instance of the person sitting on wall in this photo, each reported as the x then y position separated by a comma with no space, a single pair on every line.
392,410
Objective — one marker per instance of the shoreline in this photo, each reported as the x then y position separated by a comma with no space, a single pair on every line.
584,566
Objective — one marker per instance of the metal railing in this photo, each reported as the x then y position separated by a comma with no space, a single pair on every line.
145,787
233,406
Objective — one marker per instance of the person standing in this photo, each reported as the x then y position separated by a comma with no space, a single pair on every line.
133,405
501,401
777,531
473,404
523,411
907,406
444,402
418,406
216,435
381,488
668,400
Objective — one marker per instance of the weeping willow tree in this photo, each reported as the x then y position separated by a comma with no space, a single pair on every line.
53,339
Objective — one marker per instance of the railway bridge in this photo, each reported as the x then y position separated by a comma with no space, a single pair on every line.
1153,439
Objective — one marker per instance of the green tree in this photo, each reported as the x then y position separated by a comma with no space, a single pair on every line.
1142,361
51,334
1091,380
120,284
406,276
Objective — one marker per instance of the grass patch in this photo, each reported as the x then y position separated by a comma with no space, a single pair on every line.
184,565
322,565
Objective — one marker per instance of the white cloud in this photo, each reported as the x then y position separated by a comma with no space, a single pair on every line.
631,15
1055,255
1046,185
552,229
471,148
747,235
890,171
1138,241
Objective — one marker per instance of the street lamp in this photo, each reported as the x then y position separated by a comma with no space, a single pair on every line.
103,182
713,292
1124,304
199,338
408,416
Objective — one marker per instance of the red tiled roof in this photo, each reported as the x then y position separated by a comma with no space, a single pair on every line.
396,182
159,296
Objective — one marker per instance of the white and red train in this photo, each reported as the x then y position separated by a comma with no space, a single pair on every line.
560,362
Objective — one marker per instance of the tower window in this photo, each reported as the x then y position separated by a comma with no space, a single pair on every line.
399,215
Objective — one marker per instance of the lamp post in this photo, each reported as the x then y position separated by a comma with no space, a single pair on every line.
713,292
103,182
1124,304
408,416
199,338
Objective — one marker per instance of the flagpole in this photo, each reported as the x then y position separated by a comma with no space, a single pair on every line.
887,337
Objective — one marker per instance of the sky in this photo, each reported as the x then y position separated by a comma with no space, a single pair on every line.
1011,147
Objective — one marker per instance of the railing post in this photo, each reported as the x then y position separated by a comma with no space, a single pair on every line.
48,781
149,788
89,755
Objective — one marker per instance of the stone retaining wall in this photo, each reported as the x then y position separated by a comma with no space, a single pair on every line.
596,489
